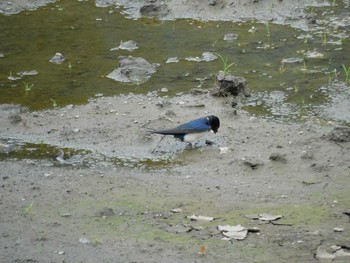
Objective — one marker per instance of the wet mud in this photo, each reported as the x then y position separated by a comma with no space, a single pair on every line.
121,194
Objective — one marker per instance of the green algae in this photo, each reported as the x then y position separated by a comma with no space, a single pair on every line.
145,217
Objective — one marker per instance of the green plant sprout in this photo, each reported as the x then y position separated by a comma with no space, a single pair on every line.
28,209
312,10
347,73
304,65
70,65
96,243
268,33
282,67
54,103
324,39
334,75
296,89
226,66
271,8
28,87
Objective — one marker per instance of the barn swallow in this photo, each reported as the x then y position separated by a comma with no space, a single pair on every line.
193,130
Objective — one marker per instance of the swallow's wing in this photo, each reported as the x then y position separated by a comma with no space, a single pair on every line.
195,126
174,131
198,125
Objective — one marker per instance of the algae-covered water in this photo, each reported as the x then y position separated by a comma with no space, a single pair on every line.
281,64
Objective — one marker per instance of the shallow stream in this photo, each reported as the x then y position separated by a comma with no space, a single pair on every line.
281,64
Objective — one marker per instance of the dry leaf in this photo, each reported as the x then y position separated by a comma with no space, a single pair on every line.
240,235
176,210
228,228
342,253
201,218
269,217
237,232
322,253
203,250
224,150
338,229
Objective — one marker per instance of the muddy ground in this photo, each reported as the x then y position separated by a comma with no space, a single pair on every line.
122,195
277,11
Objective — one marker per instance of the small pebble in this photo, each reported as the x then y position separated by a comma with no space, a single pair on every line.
338,229
66,215
15,118
84,240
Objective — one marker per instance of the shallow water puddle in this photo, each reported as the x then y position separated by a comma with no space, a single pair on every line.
290,63
39,151
47,155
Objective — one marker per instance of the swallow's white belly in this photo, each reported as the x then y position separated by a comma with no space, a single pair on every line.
191,137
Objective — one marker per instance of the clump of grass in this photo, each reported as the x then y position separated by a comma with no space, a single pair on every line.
347,73
54,103
96,243
311,10
225,63
28,87
333,75
28,209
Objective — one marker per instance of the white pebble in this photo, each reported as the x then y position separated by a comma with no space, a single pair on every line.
84,240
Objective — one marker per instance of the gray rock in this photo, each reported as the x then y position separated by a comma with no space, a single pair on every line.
307,156
58,58
132,69
14,118
84,240
6,148
227,84
129,45
340,134
154,10
253,163
28,73
278,157
230,37
105,212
